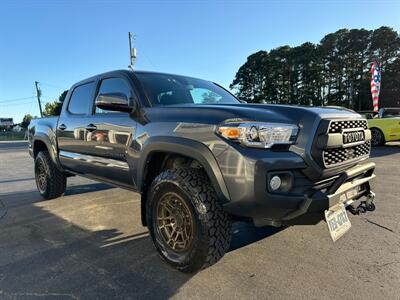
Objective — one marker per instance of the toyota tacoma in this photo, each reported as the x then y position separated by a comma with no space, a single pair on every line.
201,159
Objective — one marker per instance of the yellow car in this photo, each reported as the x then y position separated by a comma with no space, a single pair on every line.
385,126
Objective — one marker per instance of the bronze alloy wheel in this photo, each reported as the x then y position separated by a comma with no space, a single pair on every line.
41,177
175,222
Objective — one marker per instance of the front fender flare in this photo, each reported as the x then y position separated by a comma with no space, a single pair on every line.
186,147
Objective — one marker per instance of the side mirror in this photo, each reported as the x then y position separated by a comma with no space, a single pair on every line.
114,101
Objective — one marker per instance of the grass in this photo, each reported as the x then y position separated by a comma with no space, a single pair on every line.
11,136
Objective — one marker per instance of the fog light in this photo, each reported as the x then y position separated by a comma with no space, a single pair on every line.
275,183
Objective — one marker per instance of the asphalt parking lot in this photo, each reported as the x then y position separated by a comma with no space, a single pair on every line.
89,244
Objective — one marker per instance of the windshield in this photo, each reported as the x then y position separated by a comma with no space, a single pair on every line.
164,89
391,113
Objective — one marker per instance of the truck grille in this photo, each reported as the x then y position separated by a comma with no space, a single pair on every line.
337,126
338,156
341,151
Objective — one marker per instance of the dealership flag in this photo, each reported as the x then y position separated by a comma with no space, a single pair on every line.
375,84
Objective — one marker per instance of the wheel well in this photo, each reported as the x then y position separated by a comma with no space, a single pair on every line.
377,128
157,163
39,146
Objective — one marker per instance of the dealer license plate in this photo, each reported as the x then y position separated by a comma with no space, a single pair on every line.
337,220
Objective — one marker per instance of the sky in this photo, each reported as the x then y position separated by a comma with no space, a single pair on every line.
58,43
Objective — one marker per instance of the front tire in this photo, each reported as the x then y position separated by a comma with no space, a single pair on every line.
187,223
51,182
377,137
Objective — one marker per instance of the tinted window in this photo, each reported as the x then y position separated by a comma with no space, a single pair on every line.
391,113
81,99
205,96
164,89
113,85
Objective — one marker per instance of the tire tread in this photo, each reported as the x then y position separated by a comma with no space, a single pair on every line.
57,181
196,183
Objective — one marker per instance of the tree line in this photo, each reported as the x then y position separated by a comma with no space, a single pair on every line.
50,109
336,71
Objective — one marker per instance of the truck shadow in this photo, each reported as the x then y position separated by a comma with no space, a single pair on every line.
387,149
15,199
87,188
46,255
244,234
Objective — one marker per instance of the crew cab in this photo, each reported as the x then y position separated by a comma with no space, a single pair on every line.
201,159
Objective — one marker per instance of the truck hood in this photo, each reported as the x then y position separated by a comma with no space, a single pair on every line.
217,114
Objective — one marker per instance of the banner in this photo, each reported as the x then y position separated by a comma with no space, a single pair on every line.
375,84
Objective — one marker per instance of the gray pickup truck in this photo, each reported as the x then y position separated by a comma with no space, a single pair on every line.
201,159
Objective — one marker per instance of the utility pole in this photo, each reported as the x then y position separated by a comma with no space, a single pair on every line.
132,51
38,94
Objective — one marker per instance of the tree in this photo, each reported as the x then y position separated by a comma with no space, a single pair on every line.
54,108
26,120
333,72
250,81
210,97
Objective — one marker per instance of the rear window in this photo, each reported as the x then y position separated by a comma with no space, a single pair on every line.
81,99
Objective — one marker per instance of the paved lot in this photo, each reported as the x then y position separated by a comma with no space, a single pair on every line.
89,244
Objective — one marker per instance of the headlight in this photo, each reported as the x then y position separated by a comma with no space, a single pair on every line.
260,135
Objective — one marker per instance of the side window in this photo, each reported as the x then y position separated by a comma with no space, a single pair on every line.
113,85
81,98
204,96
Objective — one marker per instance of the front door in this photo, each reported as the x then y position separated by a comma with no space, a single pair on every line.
109,134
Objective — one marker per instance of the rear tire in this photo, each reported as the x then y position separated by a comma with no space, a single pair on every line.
51,182
187,223
377,137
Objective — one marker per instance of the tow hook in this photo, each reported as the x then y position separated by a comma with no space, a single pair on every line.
364,206
370,201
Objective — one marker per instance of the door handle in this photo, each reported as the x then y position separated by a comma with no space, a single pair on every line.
91,127
62,127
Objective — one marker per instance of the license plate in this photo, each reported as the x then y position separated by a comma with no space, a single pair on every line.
337,220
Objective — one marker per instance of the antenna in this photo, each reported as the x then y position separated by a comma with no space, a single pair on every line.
132,51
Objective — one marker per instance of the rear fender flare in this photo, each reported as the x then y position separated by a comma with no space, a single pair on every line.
52,148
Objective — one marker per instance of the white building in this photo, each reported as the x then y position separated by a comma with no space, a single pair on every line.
6,123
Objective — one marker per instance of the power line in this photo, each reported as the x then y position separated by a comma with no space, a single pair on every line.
22,103
16,99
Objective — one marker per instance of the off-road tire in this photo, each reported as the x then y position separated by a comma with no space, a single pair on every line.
212,224
378,139
56,181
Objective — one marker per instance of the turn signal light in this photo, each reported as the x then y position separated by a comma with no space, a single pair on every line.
232,133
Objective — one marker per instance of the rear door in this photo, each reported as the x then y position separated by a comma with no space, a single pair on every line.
109,133
71,127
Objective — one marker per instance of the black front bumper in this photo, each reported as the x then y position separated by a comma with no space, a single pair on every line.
305,197
356,179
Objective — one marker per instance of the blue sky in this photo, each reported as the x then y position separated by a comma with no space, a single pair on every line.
60,42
